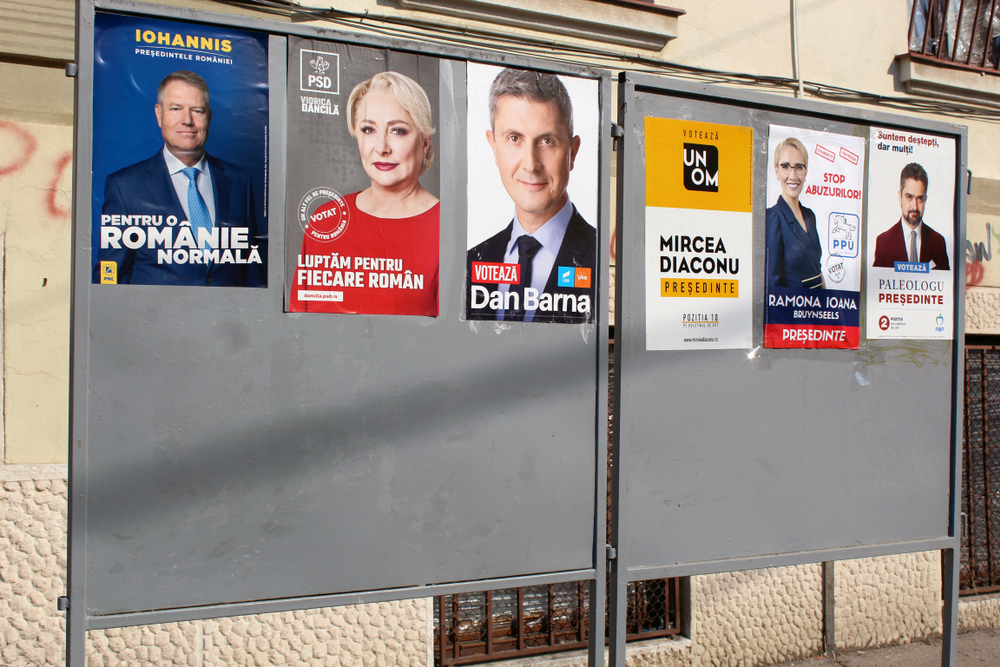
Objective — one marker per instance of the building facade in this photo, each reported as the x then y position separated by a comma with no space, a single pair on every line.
937,61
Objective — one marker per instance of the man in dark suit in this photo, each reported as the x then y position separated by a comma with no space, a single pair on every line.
911,239
203,205
548,249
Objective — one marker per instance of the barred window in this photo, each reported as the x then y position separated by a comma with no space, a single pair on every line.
965,33
517,622
980,553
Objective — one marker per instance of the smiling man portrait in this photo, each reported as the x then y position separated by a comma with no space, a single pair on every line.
540,267
185,184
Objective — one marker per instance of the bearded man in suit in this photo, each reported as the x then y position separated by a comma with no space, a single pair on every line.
911,239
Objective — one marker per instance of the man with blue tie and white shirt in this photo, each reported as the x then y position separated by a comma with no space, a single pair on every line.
182,183
548,246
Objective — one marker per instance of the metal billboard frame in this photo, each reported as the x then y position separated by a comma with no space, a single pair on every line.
630,171
79,620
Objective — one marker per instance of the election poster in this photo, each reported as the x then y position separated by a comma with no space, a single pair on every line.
179,154
533,182
911,236
362,230
699,235
812,244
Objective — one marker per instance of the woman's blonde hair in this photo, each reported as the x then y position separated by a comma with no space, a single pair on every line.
410,95
794,143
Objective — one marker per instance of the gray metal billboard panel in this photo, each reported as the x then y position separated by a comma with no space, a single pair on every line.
749,454
226,452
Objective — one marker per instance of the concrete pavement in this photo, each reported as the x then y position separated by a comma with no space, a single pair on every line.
975,649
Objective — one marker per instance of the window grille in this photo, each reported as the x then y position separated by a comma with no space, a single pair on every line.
965,33
518,622
980,565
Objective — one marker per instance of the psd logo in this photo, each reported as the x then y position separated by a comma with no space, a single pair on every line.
701,167
319,72
844,238
573,276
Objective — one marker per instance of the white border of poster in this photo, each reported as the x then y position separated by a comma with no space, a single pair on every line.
910,299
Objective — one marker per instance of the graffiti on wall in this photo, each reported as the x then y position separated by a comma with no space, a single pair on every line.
21,150
980,270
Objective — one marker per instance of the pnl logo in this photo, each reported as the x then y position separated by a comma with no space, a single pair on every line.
573,276
109,273
701,167
844,238
319,72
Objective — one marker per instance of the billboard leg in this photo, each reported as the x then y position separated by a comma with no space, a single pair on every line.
76,639
949,614
618,586
598,612
829,611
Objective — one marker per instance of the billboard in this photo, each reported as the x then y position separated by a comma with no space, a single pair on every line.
699,235
911,186
179,154
363,213
813,239
533,181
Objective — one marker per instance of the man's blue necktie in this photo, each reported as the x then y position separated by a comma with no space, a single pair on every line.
527,247
197,210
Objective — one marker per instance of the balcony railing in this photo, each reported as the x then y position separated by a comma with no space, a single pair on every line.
962,33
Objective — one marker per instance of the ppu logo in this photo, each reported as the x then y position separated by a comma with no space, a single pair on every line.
701,167
319,72
844,236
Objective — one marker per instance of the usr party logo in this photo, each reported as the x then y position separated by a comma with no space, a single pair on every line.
573,276
701,167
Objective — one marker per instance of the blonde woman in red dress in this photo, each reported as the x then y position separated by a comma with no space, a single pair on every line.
392,237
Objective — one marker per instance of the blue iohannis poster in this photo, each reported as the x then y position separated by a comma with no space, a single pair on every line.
179,154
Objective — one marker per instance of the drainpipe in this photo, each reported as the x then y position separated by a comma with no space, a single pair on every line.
795,48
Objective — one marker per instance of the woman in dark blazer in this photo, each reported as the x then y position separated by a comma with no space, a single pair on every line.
792,247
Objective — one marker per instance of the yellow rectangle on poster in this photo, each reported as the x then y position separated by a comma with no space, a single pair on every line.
700,288
698,165
109,273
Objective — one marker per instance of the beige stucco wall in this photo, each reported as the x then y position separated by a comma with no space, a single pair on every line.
34,217
36,143
757,617
888,600
32,577
982,310
980,612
